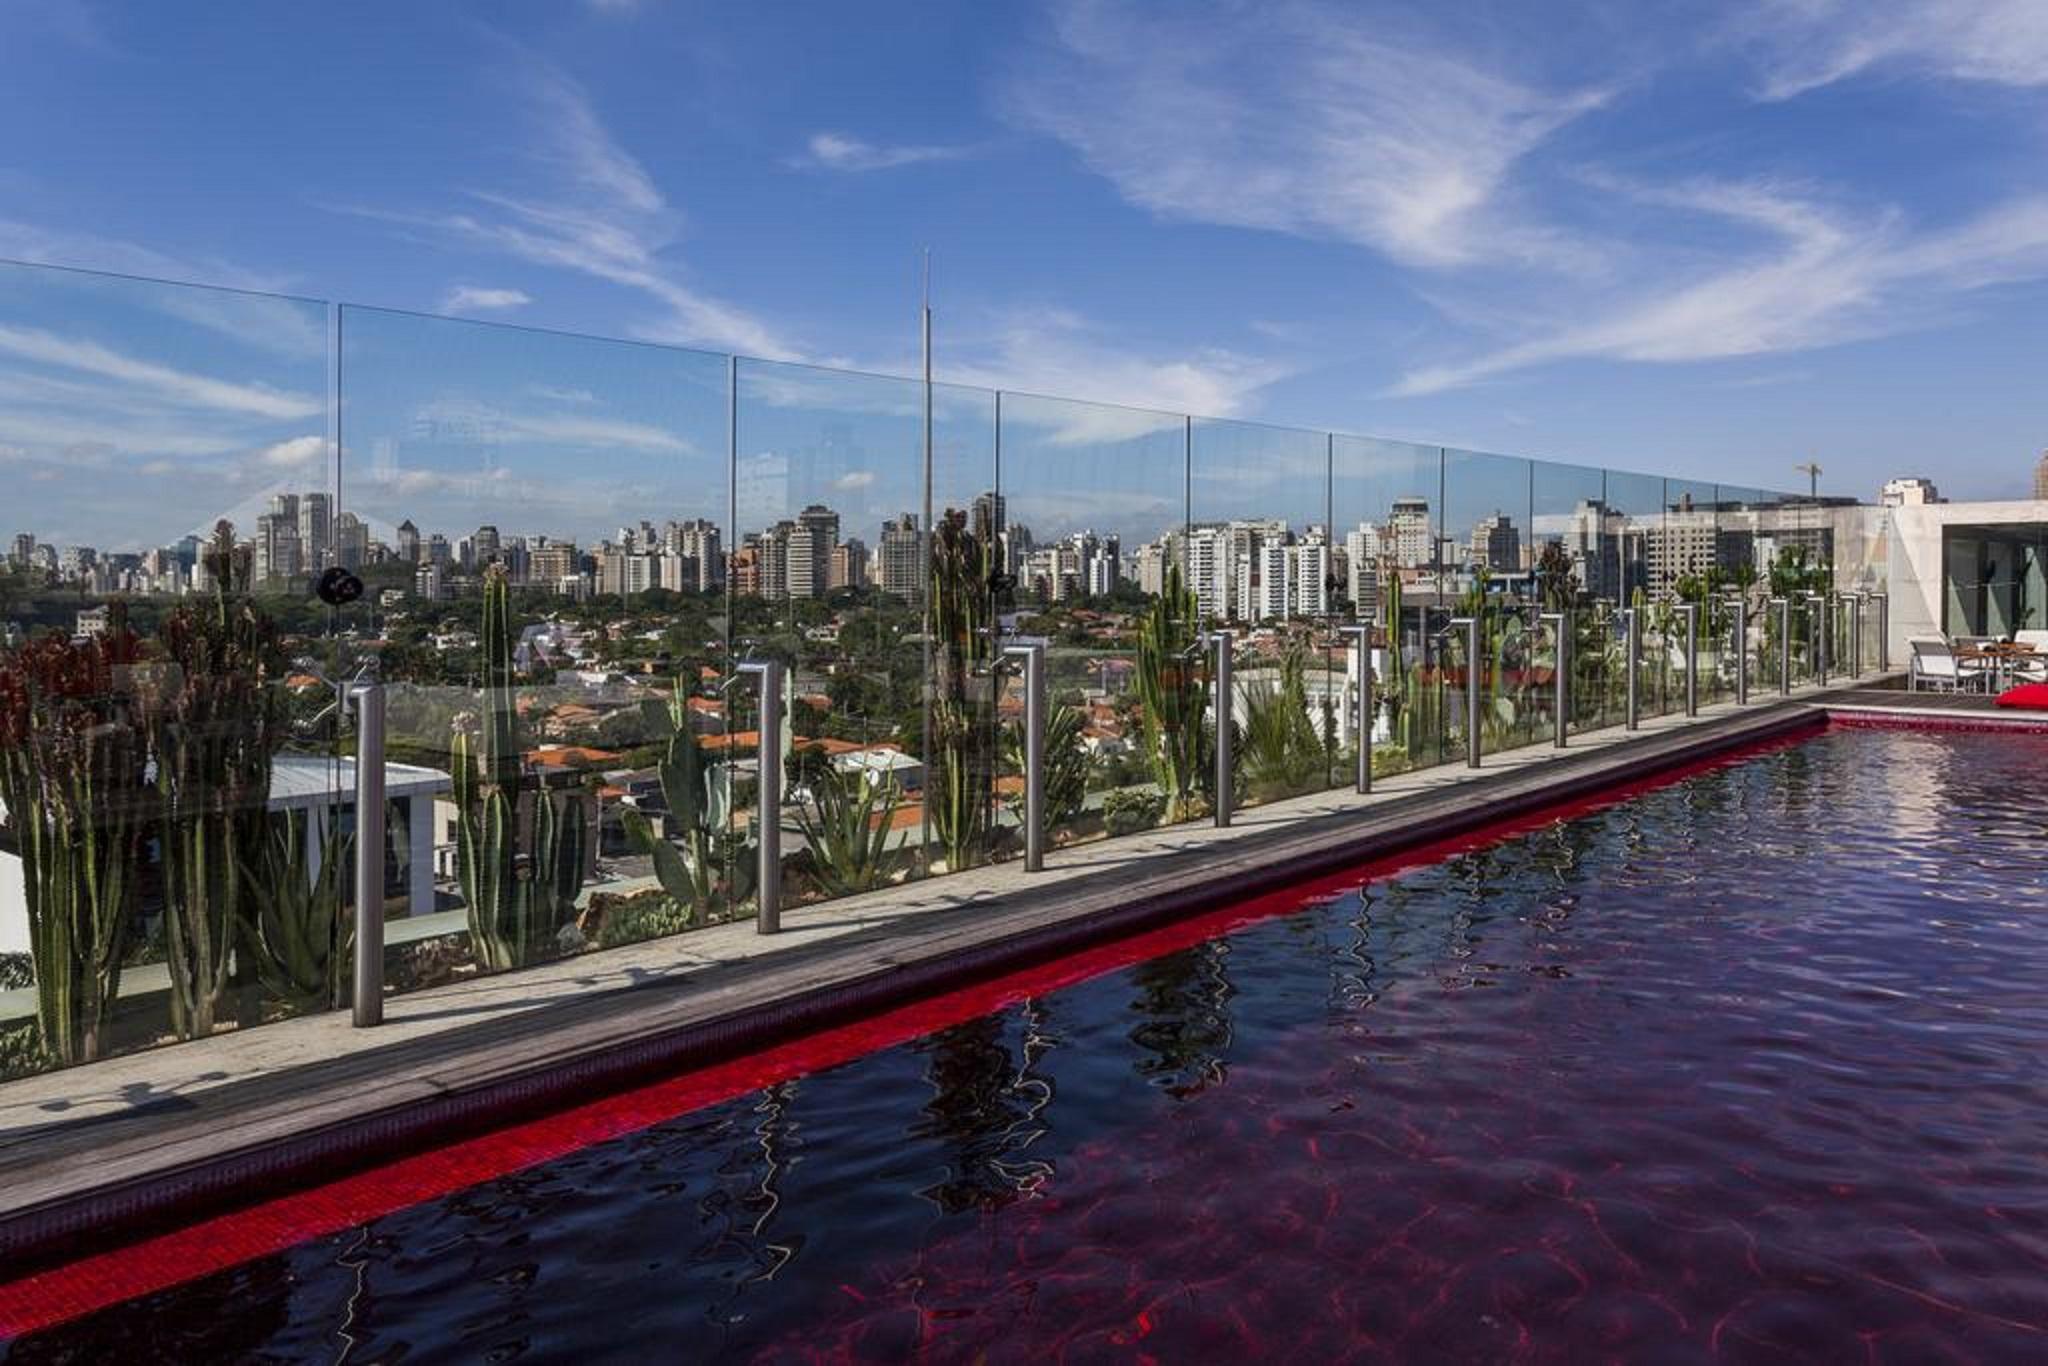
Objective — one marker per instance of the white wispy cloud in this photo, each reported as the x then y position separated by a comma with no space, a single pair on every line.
464,421
1807,44
843,152
597,212
1057,351
480,299
46,245
90,357
1826,275
295,453
1300,118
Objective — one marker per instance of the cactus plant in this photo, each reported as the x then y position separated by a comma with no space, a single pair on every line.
847,830
521,892
296,933
215,726
1067,763
74,779
699,797
1173,693
961,785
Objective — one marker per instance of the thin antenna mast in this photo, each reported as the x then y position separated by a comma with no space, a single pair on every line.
925,557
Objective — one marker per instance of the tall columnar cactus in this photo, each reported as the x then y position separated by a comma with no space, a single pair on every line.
1173,691
74,778
961,785
698,793
517,906
215,726
294,928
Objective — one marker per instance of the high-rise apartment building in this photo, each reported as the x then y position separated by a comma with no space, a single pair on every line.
699,540
316,530
1407,535
897,568
2041,478
351,541
849,564
408,542
1496,544
551,561
809,558
1309,570
1916,492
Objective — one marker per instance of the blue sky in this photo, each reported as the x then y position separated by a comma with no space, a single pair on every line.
1687,238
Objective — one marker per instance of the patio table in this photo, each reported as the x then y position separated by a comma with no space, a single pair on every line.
1998,657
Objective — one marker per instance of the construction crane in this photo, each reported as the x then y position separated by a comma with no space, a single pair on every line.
1812,473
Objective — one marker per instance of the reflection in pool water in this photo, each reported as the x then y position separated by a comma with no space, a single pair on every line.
1750,1065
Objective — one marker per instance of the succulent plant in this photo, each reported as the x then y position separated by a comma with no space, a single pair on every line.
215,723
698,792
960,788
74,779
1173,692
520,849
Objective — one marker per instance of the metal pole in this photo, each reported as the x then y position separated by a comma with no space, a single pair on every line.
1560,676
1817,614
1632,661
1884,630
1740,606
1362,704
768,797
1224,703
1032,659
1470,626
369,961
1784,606
1855,601
1691,612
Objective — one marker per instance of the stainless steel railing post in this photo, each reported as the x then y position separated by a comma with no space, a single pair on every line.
1031,659
768,797
1740,632
1632,661
1817,613
1225,703
1883,602
1362,704
1784,606
368,996
1471,629
1560,676
1855,601
1690,611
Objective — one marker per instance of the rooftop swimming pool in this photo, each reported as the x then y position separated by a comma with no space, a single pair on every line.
1753,1066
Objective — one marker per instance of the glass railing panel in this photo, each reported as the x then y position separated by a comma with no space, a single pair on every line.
1637,501
1095,498
866,578
1576,569
1260,528
171,806
1387,504
1489,563
546,525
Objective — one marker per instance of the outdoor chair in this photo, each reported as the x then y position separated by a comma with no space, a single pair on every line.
2033,670
1936,668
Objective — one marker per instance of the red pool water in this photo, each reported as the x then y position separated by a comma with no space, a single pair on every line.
1750,1067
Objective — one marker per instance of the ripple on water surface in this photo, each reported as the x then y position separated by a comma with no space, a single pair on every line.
1748,1066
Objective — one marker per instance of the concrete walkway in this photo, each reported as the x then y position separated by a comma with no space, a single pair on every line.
157,1135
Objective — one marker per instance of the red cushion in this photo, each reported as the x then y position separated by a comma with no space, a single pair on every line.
2031,696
